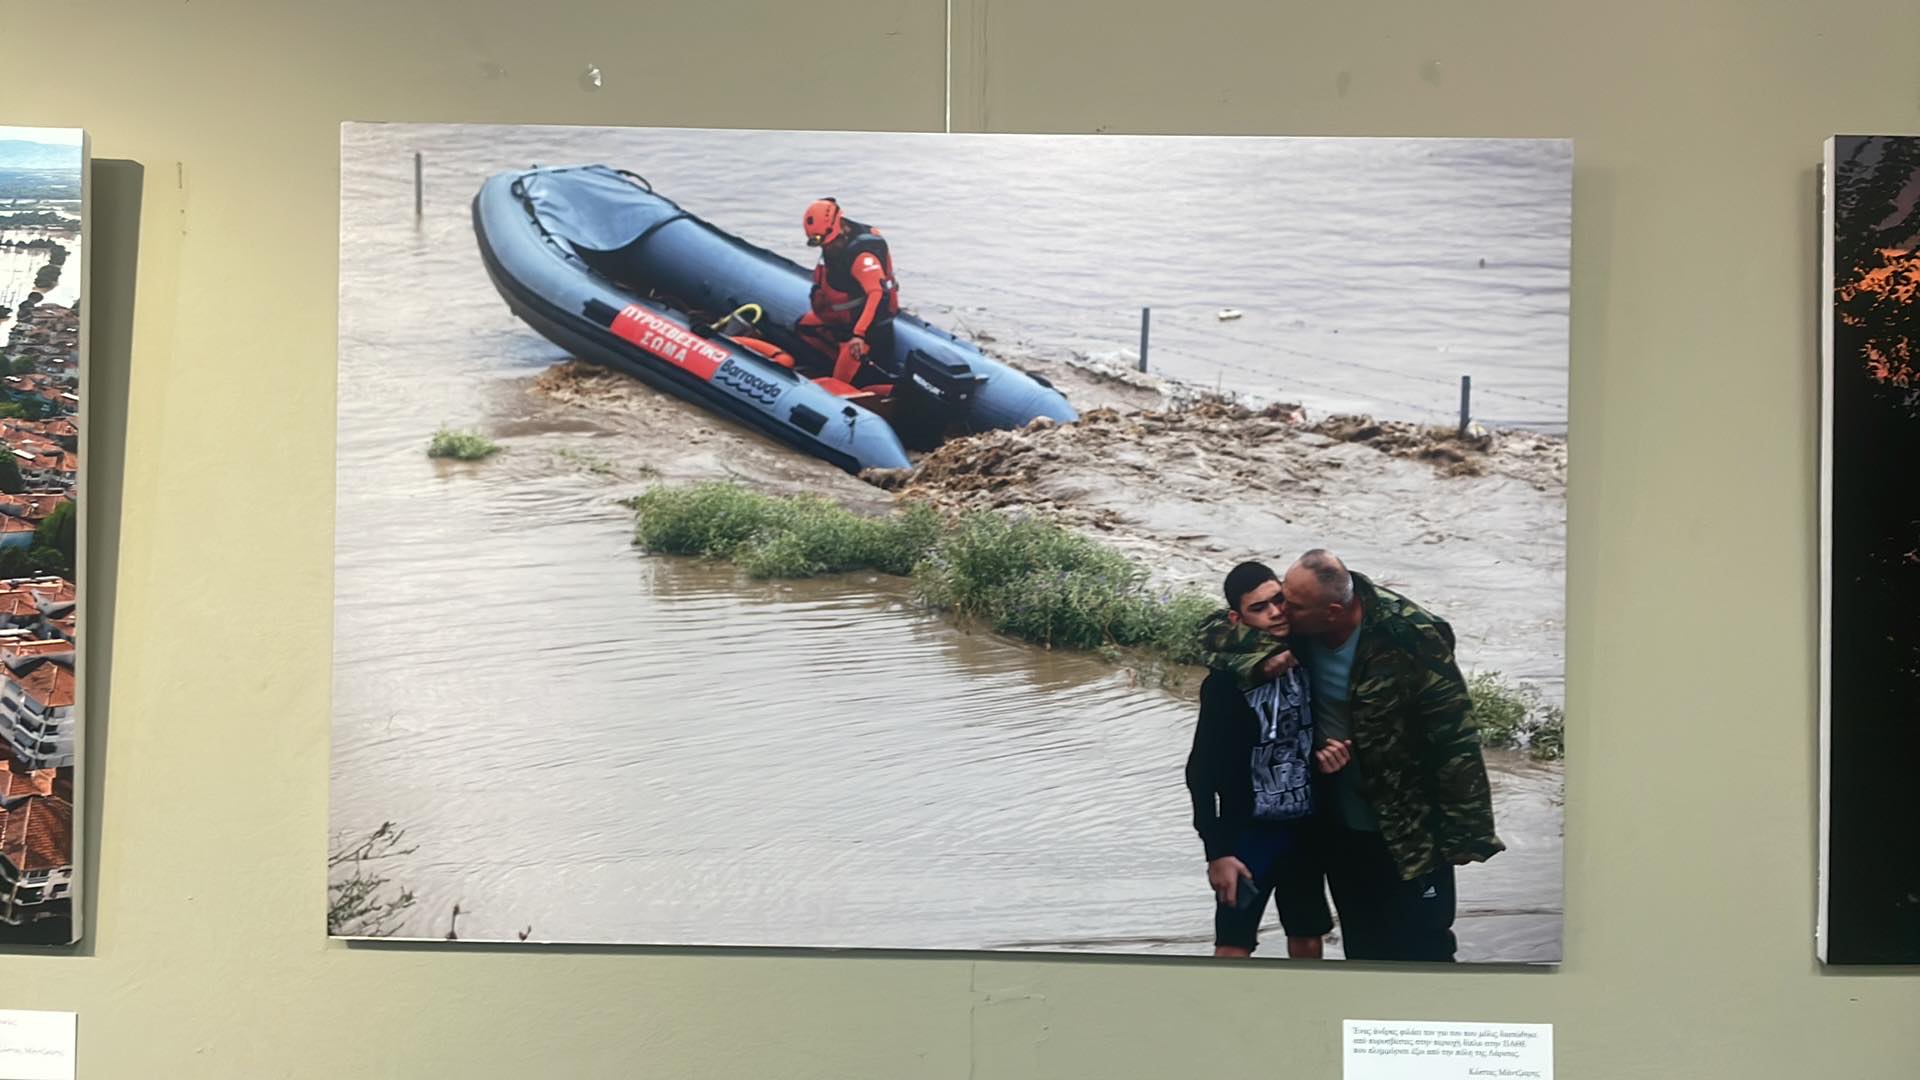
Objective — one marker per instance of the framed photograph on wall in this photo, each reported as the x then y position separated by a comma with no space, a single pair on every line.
966,542
1869,906
43,276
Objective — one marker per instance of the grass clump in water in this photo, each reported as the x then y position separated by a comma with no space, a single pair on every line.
1515,718
1026,578
1037,581
793,537
819,537
461,445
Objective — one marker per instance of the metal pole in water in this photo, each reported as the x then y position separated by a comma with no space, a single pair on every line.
416,184
1146,317
1466,400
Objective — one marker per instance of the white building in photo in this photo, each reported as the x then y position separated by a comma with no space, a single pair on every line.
36,705
36,842
44,605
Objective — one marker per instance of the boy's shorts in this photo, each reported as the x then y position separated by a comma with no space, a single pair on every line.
1286,868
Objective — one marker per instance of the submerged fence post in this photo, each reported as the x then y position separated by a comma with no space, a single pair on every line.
416,184
1146,317
1466,402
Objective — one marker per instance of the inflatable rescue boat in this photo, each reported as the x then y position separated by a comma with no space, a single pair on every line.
598,263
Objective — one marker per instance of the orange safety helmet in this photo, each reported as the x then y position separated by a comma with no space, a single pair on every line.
822,222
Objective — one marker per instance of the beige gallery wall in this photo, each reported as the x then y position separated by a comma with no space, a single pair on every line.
1691,777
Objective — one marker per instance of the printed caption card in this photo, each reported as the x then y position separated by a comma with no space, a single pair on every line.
1440,1050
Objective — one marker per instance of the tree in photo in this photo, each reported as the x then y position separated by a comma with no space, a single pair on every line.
44,561
1876,252
56,532
11,482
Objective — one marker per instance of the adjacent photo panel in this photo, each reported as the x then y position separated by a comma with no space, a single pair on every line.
1088,544
43,193
1870,553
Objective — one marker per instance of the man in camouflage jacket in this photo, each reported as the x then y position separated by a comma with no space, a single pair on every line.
1415,801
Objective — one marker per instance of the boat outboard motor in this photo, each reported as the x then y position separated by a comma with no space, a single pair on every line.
931,397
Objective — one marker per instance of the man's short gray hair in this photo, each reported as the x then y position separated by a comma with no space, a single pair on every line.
1331,573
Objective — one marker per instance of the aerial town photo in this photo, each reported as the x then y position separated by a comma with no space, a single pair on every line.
41,280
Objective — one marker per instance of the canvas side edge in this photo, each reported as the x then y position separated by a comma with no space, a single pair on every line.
1822,931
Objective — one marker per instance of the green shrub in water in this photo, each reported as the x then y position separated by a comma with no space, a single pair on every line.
1037,581
710,520
1020,568
1026,578
1178,631
794,537
1515,718
819,537
461,445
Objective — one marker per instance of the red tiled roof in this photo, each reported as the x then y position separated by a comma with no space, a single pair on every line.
46,682
30,445
18,605
37,834
27,650
19,783
49,590
11,524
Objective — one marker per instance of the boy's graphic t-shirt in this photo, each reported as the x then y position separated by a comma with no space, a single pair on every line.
1283,750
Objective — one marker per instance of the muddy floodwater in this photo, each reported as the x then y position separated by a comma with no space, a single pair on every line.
589,744
19,265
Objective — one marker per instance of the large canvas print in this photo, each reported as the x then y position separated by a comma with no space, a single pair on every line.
1870,553
42,373
898,541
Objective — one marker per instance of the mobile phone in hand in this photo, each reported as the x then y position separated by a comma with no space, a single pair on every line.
1245,894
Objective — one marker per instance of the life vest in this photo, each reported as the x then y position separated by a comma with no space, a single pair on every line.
765,348
839,293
